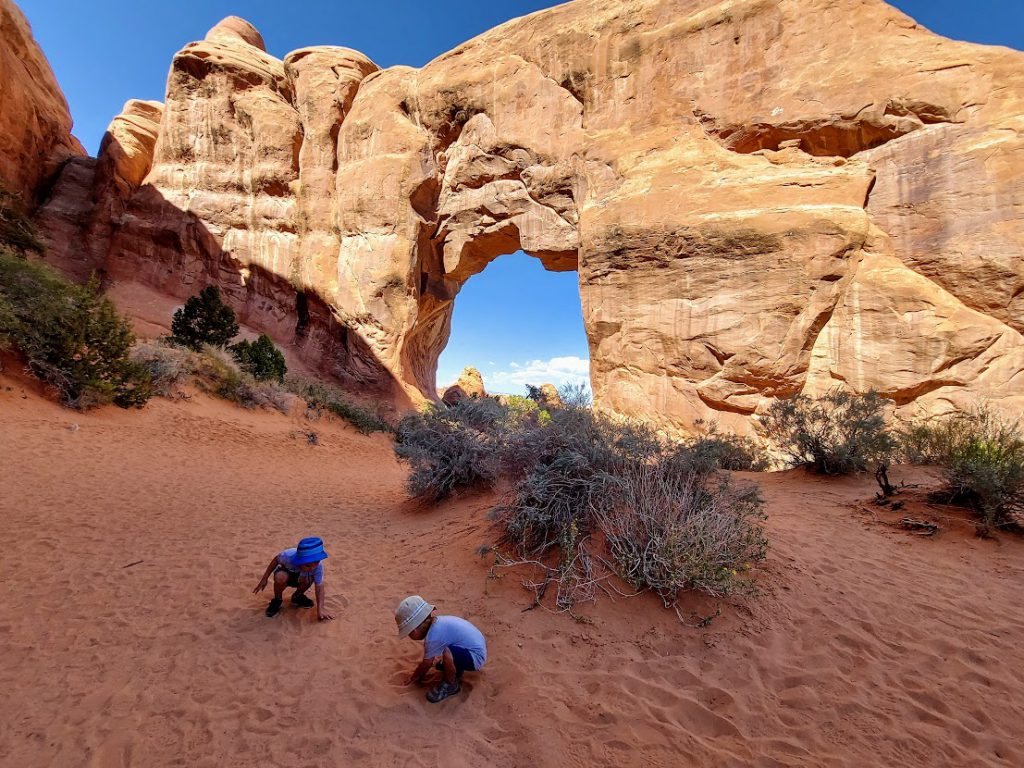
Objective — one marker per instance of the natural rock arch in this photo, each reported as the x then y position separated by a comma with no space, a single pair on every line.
750,217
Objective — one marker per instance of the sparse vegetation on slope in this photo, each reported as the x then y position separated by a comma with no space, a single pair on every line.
260,359
323,397
71,336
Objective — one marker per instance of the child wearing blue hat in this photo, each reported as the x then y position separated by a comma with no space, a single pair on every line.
298,567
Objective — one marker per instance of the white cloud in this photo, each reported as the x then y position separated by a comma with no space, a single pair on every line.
557,371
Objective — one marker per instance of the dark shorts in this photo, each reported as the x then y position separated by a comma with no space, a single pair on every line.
463,659
294,579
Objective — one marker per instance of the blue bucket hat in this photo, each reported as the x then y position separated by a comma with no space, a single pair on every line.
310,550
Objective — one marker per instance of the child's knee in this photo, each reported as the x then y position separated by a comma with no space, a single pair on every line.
280,577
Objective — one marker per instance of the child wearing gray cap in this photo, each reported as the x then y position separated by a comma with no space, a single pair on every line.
450,643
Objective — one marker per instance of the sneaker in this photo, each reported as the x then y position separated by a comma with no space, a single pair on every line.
302,601
442,691
274,607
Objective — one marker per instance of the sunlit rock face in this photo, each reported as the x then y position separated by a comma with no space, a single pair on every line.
35,125
761,197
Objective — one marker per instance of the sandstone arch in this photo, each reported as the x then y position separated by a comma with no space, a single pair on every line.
751,214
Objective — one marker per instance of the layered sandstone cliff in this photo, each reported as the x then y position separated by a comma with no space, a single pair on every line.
35,126
761,197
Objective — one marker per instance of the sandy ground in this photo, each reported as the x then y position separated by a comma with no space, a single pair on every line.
130,636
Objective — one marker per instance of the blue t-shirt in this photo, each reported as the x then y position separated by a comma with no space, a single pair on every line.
449,631
285,560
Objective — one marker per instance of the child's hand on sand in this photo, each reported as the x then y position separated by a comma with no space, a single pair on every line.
324,616
260,587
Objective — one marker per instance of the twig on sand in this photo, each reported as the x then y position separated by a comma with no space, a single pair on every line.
919,527
131,564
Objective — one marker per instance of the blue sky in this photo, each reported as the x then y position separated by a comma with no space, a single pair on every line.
514,321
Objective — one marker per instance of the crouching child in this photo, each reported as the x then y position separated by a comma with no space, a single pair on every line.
300,567
451,644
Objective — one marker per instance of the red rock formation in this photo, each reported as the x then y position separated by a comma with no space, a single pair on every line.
751,215
35,126
469,384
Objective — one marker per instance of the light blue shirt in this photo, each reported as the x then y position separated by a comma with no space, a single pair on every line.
451,631
286,560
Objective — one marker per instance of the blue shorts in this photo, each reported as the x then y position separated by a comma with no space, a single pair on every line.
463,659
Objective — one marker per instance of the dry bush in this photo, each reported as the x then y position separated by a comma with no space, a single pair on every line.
982,462
169,367
268,395
16,228
675,529
717,450
580,478
839,433
450,449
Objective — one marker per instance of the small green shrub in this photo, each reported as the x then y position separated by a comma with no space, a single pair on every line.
839,433
204,320
260,359
982,461
322,397
71,336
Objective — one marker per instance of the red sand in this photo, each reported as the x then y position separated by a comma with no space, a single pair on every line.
869,646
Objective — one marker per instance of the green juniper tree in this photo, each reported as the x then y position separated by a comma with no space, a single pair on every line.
205,319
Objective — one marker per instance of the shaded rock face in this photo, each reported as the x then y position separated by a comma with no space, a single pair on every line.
751,215
35,125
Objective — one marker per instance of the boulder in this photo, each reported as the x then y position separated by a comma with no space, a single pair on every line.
469,384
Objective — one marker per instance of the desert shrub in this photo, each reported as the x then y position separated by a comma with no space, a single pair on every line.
204,320
8,320
444,452
982,461
260,359
266,394
216,373
71,336
520,411
714,450
321,397
838,433
17,231
169,367
674,529
577,475
668,521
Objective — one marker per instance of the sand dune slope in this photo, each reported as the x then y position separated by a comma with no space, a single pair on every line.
130,637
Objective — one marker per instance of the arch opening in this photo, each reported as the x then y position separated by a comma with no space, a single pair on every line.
519,322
